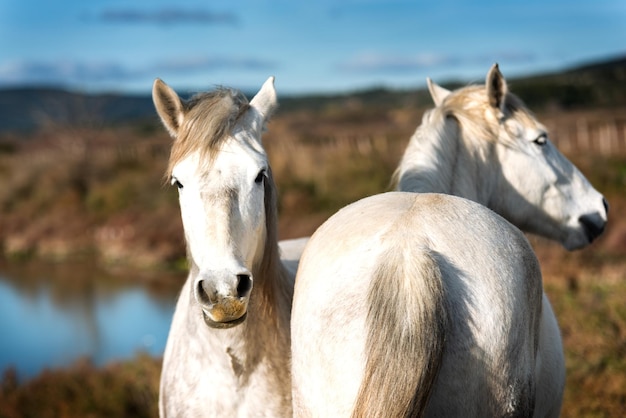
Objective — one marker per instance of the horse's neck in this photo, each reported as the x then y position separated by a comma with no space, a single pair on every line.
272,302
437,160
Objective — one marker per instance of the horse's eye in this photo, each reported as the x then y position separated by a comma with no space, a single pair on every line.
260,177
541,140
176,183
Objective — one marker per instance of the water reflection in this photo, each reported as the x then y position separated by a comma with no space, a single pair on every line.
52,314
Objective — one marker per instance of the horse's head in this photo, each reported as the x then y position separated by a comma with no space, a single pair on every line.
221,171
533,185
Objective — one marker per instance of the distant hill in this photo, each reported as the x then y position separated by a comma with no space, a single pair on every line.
27,108
598,84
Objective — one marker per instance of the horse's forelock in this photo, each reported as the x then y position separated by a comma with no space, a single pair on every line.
209,119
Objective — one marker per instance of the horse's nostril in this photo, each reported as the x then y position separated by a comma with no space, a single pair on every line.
606,205
593,225
203,294
244,284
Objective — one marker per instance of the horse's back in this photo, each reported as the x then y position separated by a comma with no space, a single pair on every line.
470,240
492,289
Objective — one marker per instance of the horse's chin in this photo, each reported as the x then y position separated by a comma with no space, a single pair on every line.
223,325
577,241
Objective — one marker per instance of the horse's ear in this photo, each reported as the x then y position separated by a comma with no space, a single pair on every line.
168,105
437,92
496,87
265,101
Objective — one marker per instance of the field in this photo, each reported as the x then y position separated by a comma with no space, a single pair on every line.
98,192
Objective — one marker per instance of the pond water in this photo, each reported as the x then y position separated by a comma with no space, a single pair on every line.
52,315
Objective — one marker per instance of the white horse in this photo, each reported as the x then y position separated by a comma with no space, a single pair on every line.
227,353
412,304
483,144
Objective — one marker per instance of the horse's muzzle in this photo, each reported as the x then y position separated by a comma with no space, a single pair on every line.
224,306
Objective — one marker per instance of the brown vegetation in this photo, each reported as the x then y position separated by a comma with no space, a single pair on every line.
69,192
128,389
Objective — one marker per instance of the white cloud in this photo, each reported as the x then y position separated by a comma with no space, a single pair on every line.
68,72
374,62
167,16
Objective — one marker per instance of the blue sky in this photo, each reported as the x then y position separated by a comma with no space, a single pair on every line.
310,46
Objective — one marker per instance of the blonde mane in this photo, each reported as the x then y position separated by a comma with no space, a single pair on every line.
209,119
464,117
469,106
272,276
